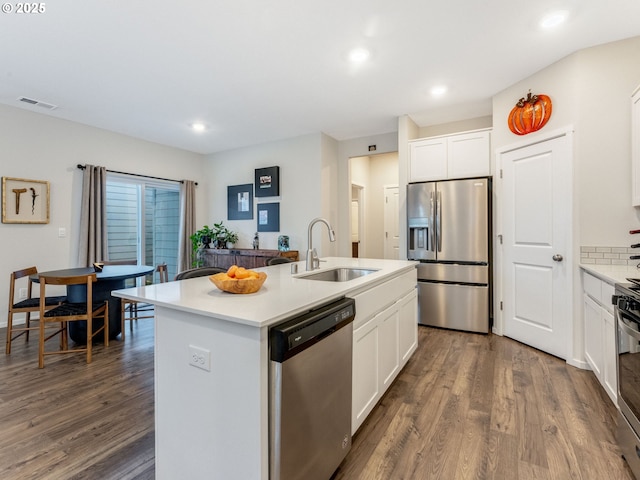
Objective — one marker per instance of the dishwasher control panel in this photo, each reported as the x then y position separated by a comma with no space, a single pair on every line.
294,335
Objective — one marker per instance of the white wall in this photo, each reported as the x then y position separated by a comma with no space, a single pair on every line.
590,90
308,189
314,171
39,147
455,127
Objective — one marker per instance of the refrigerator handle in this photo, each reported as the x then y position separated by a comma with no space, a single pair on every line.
432,213
439,220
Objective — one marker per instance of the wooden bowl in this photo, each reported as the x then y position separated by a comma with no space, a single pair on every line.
235,285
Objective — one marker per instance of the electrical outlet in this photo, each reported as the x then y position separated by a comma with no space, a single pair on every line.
200,358
22,293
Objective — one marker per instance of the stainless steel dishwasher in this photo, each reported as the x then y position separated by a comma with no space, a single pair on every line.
310,392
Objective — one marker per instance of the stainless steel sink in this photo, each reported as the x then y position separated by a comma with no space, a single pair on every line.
341,274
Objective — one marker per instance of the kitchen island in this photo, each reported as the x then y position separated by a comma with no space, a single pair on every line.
212,358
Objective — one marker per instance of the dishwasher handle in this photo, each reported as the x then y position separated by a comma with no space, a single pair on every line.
295,335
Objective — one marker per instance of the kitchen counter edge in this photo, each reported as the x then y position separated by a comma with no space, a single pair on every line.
283,295
612,274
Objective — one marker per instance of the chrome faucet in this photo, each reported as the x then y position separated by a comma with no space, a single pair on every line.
313,261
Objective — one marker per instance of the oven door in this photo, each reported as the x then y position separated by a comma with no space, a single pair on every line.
628,340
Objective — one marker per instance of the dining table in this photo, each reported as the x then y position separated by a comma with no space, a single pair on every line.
108,279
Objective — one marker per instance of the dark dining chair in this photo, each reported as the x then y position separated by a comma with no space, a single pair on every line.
71,312
133,310
27,305
199,272
277,260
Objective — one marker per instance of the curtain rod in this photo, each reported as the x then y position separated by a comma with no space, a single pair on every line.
82,167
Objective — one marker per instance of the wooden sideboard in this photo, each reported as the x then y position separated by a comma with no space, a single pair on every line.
243,257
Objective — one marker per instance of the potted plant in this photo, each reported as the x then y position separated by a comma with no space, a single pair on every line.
200,240
222,236
230,238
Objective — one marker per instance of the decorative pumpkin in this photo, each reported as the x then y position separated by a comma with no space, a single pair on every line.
530,114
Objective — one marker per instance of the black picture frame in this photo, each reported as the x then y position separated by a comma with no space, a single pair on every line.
268,217
240,202
267,182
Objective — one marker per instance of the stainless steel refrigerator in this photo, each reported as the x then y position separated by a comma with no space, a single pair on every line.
449,226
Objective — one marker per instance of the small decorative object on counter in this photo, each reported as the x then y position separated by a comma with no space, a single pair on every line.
256,241
283,243
530,114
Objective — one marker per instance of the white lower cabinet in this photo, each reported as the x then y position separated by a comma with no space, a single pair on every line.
382,345
610,374
593,335
407,326
599,332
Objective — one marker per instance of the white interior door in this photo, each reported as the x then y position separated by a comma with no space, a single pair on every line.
537,213
391,222
355,221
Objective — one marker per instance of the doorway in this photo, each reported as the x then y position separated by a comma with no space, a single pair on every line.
391,222
357,204
374,213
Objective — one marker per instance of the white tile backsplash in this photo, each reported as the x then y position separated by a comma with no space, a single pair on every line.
608,255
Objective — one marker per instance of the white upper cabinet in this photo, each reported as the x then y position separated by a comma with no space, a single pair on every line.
635,147
428,159
452,156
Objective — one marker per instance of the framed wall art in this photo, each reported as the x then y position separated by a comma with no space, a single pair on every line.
25,201
267,182
240,202
268,217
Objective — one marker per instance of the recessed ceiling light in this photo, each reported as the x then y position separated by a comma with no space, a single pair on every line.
438,90
359,55
198,127
554,19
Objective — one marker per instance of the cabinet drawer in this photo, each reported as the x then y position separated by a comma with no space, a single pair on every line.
599,290
592,286
374,300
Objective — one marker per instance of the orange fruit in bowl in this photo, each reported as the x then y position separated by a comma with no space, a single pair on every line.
241,273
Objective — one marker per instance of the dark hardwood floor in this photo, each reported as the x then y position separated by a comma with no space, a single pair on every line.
465,407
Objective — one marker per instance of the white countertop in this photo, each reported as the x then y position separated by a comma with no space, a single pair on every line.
282,294
612,273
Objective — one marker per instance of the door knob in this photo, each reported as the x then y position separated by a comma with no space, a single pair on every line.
557,257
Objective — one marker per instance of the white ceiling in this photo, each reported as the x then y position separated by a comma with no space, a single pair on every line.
256,71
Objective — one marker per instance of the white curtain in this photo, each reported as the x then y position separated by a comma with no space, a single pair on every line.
93,216
187,223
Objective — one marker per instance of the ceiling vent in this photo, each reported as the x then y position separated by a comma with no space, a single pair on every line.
37,103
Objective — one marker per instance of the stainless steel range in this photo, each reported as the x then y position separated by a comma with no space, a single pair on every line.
627,315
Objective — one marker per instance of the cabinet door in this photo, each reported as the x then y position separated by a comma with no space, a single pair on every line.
610,379
635,148
469,155
408,326
428,160
366,387
388,346
593,332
